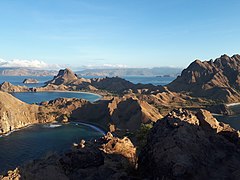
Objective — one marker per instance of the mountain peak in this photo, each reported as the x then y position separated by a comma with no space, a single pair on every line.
64,76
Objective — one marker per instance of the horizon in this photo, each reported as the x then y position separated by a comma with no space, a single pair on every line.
107,34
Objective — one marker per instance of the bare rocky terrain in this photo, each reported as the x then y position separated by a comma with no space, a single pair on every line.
218,80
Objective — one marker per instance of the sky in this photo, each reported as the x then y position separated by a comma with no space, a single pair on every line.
116,33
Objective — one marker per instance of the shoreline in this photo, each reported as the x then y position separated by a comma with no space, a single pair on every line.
91,125
62,91
17,129
94,126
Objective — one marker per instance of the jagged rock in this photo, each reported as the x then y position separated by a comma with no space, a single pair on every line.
30,81
218,80
184,145
123,147
12,175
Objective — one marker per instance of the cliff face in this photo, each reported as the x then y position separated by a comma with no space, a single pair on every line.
217,80
185,145
15,113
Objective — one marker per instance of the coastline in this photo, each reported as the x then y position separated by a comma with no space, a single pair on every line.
95,126
18,129
91,125
62,91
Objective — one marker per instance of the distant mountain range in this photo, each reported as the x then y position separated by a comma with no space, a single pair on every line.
26,72
157,71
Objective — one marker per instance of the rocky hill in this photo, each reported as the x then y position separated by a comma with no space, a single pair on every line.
186,145
64,76
218,80
15,113
8,87
123,112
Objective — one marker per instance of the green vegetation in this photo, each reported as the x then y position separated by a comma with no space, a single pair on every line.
141,134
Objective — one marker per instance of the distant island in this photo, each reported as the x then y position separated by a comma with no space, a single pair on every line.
158,71
25,72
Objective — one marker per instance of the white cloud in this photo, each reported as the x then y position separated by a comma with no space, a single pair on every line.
103,66
28,64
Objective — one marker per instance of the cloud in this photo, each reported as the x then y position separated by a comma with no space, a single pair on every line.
104,66
36,64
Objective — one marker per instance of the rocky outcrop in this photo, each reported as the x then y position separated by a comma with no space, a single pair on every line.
99,160
59,109
12,175
218,80
30,81
125,112
8,87
186,145
15,114
122,146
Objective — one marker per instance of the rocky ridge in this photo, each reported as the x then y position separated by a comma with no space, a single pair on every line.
124,112
218,80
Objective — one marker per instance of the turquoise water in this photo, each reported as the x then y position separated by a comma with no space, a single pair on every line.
38,140
37,97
